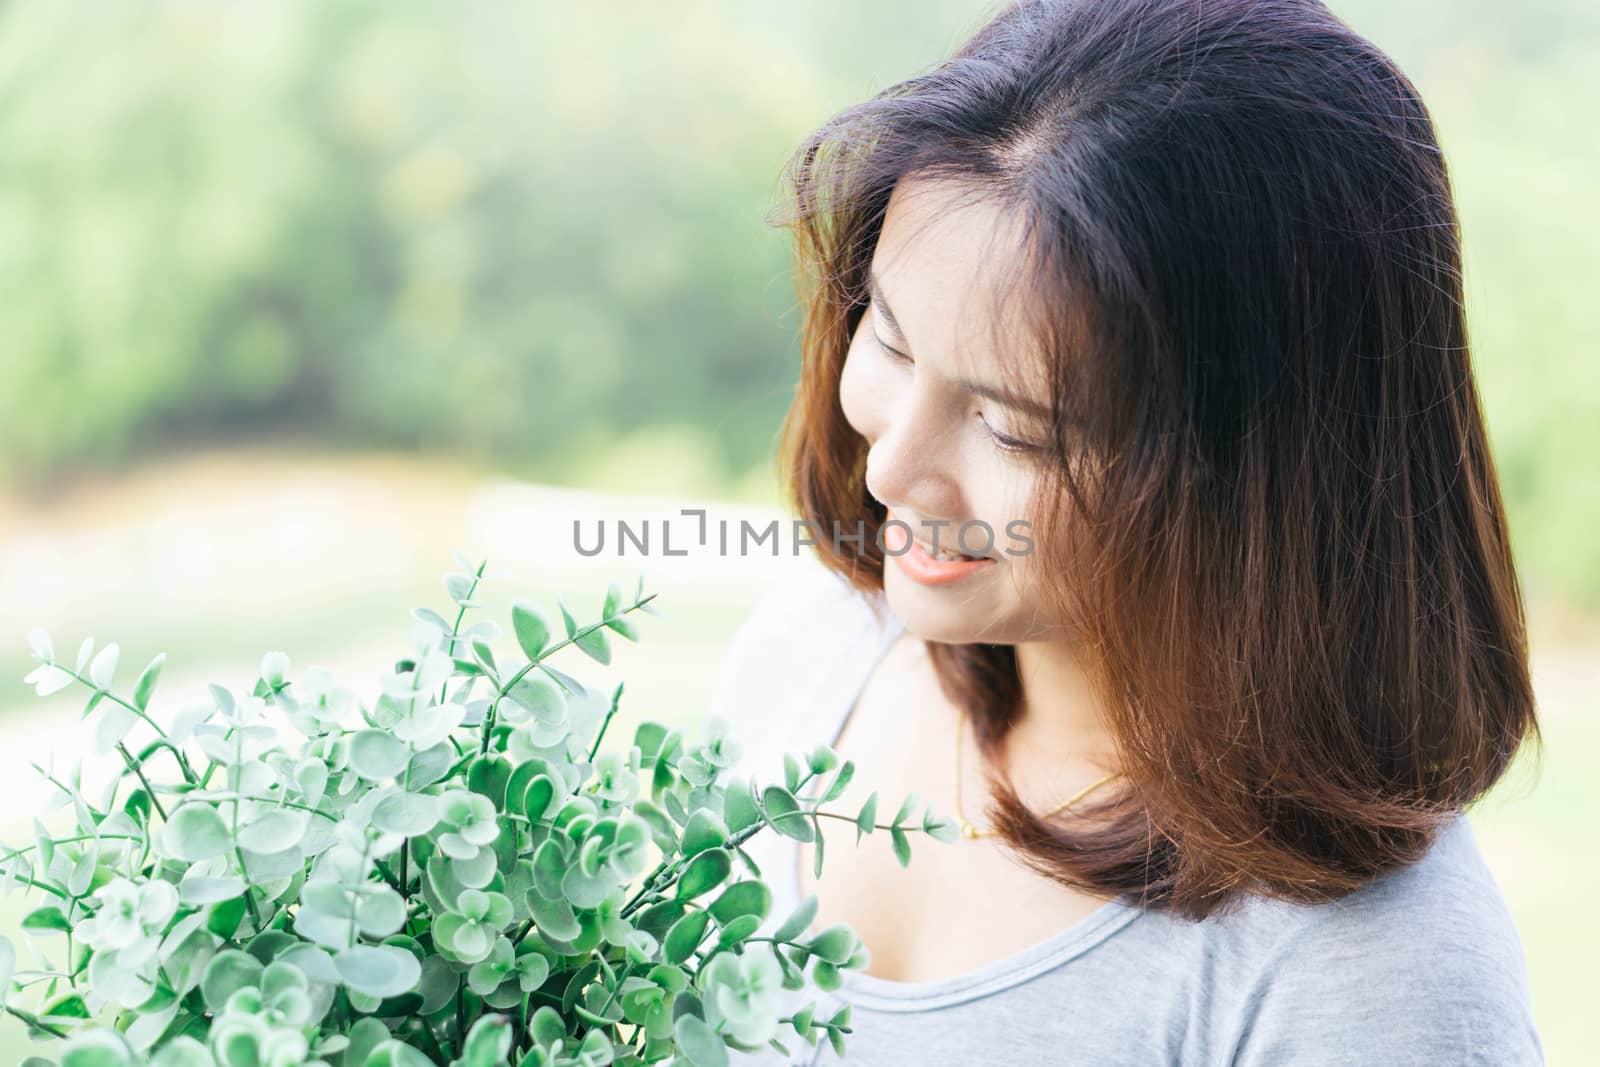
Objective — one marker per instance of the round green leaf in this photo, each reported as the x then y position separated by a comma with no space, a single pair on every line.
378,970
380,911
586,891
532,631
96,1048
595,646
906,807
782,809
195,832
867,818
430,765
47,679
112,727
146,684
705,872
517,784
698,1043
71,1006
183,1051
738,806
902,845
738,929
44,919
742,898
203,889
437,985
274,666
394,1053
536,798
275,830
104,666
183,964
365,1035
376,755
223,917
684,937
406,814
589,855
834,944
488,1042
547,1026
798,920
488,776
541,697
554,918
658,918
705,830
228,972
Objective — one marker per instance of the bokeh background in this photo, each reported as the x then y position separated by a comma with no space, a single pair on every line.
298,298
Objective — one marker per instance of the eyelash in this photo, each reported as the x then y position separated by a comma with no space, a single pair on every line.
1005,444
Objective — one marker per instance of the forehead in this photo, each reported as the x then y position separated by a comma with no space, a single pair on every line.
947,262
947,235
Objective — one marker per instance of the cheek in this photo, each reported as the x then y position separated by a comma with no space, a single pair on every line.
1000,500
862,395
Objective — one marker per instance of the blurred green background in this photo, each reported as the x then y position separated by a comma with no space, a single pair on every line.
299,297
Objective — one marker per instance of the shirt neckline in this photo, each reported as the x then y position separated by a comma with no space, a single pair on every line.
886,994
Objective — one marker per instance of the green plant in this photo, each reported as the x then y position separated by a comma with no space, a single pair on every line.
453,875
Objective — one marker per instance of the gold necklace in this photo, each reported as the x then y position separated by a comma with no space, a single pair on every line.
970,831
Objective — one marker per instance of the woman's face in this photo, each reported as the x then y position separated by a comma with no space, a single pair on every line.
944,452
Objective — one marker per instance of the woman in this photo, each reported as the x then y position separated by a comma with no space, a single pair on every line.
1158,302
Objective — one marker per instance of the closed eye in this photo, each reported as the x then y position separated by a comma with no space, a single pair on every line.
893,353
1006,444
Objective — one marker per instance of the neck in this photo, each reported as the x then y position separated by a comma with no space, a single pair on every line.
1061,724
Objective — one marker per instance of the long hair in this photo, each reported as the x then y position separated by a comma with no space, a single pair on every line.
1269,508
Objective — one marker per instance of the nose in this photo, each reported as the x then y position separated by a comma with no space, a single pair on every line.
912,466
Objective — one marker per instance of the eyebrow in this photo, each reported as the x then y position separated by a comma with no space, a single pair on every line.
983,389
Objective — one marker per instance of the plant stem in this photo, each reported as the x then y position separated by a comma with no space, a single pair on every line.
34,1021
517,1021
238,853
71,793
133,765
394,883
34,883
584,631
647,894
183,764
461,1018
851,819
648,888
456,629
281,802
616,698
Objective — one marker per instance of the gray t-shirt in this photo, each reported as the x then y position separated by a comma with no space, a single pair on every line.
1423,966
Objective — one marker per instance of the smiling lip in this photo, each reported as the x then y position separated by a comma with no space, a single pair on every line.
925,569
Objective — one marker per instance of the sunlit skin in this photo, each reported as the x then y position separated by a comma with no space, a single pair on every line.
933,455
940,451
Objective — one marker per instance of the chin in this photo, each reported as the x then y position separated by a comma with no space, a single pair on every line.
949,614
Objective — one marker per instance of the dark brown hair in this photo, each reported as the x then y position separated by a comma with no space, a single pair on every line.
1288,564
